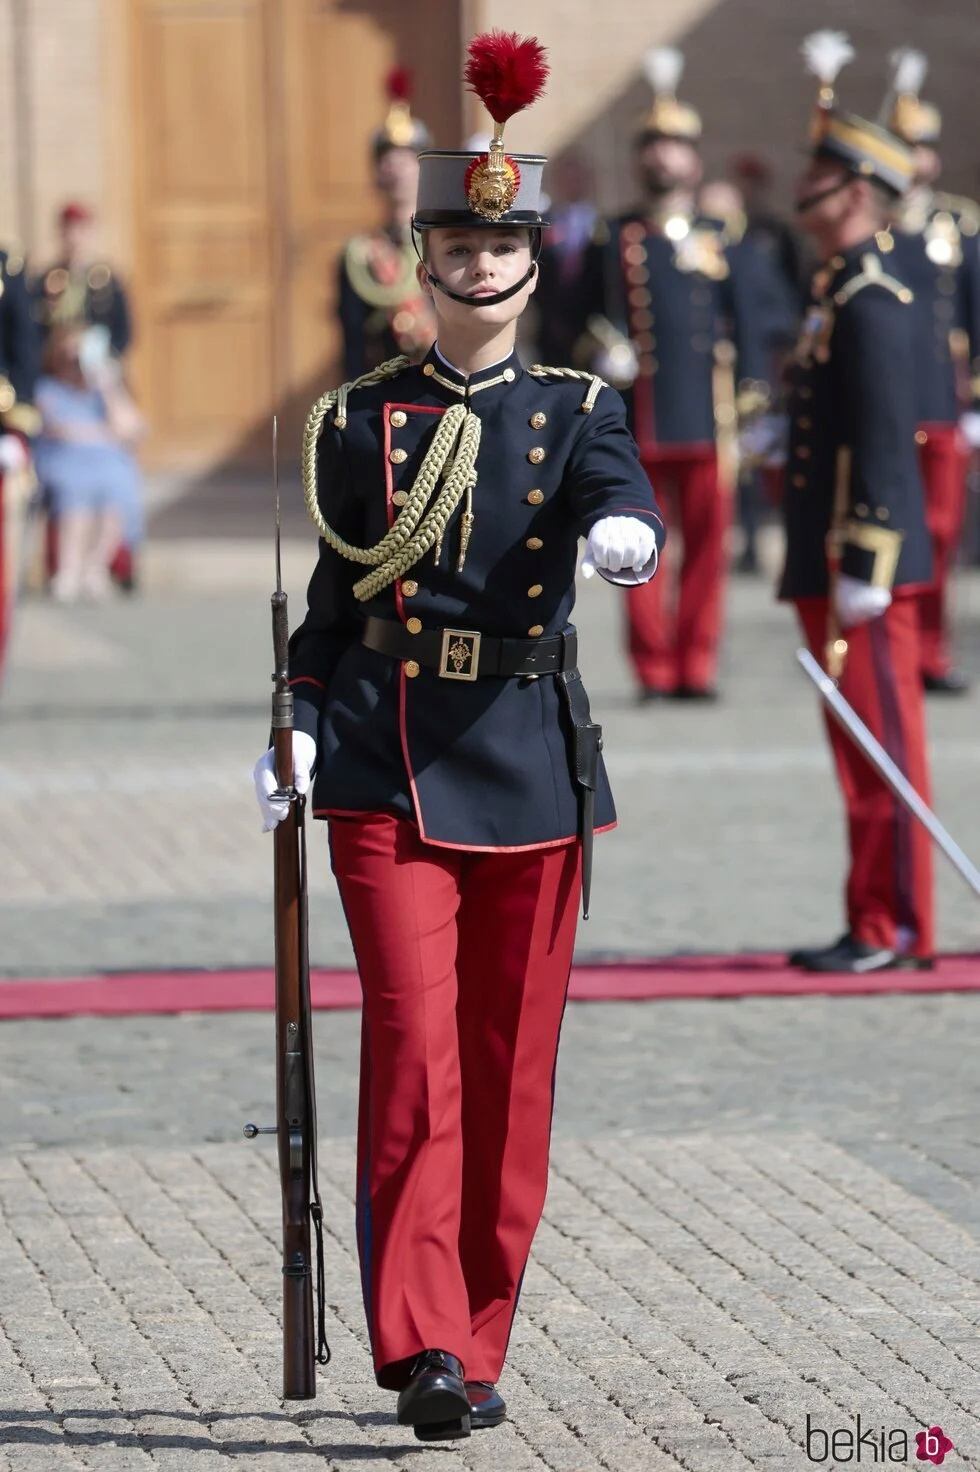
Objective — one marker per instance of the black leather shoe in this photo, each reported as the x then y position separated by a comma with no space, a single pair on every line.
856,958
435,1401
953,682
696,692
650,694
487,1408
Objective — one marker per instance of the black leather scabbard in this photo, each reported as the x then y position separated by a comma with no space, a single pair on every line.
588,744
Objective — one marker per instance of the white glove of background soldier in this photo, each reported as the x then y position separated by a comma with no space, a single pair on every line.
623,549
13,456
857,602
970,428
264,776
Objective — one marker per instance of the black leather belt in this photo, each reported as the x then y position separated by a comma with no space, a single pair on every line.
465,654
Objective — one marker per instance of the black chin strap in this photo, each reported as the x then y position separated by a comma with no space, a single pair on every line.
486,301
812,199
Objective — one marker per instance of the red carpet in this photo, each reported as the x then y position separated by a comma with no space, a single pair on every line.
121,994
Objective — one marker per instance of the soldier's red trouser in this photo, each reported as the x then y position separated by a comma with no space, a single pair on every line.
464,961
943,459
675,624
889,892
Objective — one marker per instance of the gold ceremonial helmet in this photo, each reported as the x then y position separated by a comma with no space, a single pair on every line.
663,67
912,119
401,129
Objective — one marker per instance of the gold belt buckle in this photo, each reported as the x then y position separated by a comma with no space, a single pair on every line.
460,657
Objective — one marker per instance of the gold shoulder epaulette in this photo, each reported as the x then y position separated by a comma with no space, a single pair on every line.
966,211
337,397
872,273
596,384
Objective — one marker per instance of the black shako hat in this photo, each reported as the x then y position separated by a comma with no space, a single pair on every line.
507,72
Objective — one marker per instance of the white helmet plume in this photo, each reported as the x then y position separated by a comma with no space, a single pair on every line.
825,53
664,67
908,71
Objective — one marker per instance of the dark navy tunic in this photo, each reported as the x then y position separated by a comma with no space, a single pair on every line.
852,409
482,765
677,300
938,257
19,338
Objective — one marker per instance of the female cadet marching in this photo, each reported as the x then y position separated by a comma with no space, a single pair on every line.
438,699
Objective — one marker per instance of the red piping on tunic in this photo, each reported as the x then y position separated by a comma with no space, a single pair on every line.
469,848
307,680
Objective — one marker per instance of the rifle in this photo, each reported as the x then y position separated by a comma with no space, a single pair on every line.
295,1126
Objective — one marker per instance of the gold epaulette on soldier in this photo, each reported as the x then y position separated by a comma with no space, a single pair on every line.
336,398
966,211
872,273
596,384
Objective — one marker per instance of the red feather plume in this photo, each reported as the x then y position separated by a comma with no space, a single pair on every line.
398,84
506,71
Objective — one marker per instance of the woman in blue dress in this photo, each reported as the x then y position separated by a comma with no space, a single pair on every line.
84,460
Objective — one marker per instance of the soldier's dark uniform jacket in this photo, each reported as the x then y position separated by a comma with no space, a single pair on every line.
676,299
482,765
19,347
852,455
93,297
937,255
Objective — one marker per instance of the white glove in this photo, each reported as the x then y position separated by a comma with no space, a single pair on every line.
13,455
264,776
623,545
970,426
857,602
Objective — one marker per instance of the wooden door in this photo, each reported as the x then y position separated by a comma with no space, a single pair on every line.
205,258
336,54
253,121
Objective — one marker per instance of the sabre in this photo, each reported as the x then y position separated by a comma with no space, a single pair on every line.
304,1345
890,773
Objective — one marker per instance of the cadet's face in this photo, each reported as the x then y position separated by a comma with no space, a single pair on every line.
823,195
666,164
926,163
397,175
478,263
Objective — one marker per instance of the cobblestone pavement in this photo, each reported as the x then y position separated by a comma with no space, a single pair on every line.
763,1214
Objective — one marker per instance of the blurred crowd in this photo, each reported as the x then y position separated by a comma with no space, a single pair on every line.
70,424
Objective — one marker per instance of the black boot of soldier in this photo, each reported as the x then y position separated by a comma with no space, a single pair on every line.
854,957
487,1407
435,1401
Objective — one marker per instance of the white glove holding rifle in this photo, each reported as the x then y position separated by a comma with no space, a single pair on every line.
856,602
274,809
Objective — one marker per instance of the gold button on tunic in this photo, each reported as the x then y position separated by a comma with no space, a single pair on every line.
538,421
535,631
398,457
414,625
536,455
535,590
399,498
409,588
535,497
534,543
412,668
399,418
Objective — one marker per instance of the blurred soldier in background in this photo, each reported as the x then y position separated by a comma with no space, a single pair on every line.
19,363
570,185
81,290
937,254
773,236
857,546
382,310
673,316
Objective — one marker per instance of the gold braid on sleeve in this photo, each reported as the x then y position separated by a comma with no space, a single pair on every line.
422,522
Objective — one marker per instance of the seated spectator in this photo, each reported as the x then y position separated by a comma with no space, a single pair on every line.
84,458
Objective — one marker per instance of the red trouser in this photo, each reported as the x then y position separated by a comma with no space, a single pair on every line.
943,460
464,961
674,636
889,887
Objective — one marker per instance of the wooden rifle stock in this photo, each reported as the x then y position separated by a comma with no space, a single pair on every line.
304,1344
292,1044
